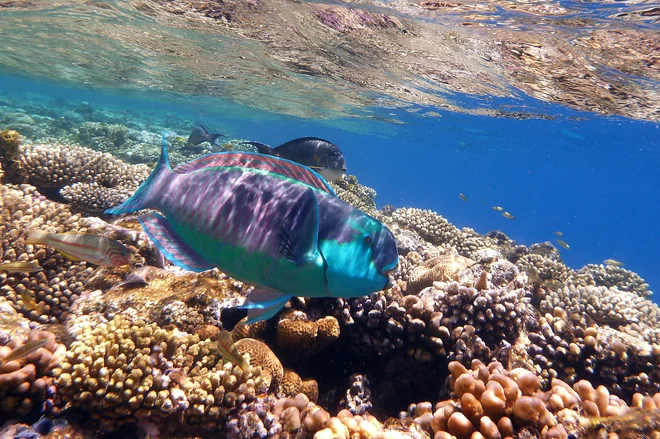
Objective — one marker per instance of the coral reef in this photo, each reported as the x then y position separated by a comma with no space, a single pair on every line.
91,181
478,337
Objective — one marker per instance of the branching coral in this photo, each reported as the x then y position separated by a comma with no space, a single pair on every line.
126,370
352,192
611,276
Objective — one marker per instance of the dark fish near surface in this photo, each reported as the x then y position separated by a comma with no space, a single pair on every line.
84,246
199,134
319,154
23,351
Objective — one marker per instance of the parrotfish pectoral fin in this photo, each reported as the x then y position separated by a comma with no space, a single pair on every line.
264,303
299,235
142,198
169,243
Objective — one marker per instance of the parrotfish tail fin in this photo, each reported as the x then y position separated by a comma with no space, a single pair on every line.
170,245
144,198
264,303
262,148
34,236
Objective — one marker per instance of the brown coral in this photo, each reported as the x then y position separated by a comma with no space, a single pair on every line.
296,332
25,384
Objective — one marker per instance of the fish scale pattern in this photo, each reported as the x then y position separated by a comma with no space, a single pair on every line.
259,162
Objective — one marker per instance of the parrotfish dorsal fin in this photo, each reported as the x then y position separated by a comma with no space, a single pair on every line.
299,235
174,249
263,162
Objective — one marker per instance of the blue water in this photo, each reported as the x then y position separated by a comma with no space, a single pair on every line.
593,178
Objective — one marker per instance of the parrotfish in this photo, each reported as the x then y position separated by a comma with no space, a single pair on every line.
266,221
96,249
321,155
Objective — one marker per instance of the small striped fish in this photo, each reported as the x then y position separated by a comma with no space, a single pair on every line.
23,351
21,267
84,246
229,351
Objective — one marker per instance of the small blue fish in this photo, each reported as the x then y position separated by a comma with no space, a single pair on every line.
266,221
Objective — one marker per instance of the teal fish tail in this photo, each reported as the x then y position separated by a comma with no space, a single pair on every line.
144,198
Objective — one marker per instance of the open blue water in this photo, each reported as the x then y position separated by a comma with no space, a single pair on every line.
591,177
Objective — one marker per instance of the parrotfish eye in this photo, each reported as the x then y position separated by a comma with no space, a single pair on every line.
368,239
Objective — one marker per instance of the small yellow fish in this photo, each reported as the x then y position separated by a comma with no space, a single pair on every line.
558,233
31,303
507,215
23,351
96,249
21,267
463,197
563,244
228,146
498,208
613,263
229,352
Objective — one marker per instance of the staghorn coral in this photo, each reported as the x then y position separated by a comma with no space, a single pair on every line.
26,384
62,166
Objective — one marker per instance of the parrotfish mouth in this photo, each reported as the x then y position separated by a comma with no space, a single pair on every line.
388,275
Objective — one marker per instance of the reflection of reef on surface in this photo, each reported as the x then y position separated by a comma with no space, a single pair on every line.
478,338
332,60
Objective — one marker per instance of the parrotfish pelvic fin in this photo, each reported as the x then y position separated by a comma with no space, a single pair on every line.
264,303
299,239
141,199
169,243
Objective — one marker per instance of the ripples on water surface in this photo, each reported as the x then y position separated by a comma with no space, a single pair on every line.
547,108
